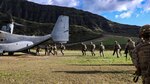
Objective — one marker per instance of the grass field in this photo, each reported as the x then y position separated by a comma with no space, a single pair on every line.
73,68
110,40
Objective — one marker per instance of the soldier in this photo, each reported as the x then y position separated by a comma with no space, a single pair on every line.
117,48
62,48
84,48
92,48
129,47
46,49
50,48
38,50
55,49
141,56
101,49
126,51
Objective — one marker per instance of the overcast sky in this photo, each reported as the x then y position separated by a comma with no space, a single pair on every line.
134,12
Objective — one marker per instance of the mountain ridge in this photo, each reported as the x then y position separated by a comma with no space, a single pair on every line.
85,21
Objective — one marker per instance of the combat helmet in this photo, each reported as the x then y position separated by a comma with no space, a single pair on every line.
144,30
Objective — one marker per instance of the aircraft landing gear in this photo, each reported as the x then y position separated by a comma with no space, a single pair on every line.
10,53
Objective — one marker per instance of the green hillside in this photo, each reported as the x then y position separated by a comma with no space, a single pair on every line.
40,19
77,33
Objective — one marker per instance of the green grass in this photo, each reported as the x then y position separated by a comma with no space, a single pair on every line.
73,68
108,59
111,40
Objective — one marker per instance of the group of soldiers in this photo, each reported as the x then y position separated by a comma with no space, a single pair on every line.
84,48
51,49
92,48
116,49
139,52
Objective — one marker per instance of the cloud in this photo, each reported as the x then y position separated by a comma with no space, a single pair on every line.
46,2
66,3
97,6
110,5
122,7
124,14
146,6
125,8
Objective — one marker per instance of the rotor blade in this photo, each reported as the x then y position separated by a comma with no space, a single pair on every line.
18,24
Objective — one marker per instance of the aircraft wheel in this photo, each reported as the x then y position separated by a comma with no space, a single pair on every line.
11,53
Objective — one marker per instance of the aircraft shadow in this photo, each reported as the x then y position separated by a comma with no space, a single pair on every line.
20,54
95,72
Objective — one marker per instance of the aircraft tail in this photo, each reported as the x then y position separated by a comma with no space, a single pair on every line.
60,31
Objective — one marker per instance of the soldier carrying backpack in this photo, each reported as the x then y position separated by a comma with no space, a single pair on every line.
62,48
141,56
101,49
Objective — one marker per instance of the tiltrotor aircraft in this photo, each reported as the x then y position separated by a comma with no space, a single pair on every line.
11,43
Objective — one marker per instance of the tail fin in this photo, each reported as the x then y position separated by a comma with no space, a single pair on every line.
60,32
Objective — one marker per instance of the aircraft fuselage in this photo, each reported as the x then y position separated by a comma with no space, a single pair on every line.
10,42
13,42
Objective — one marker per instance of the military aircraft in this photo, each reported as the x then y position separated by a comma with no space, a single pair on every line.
11,43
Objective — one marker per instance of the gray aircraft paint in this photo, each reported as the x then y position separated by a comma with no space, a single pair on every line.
16,46
59,27
12,42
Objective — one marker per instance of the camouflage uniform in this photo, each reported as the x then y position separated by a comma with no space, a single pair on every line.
50,48
46,49
101,49
62,48
84,48
117,49
140,40
38,50
141,56
55,49
129,47
92,49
